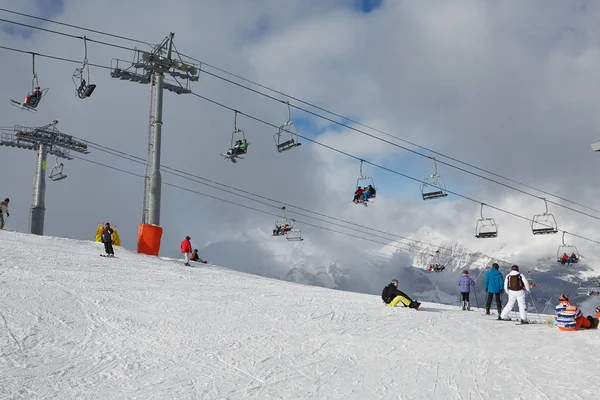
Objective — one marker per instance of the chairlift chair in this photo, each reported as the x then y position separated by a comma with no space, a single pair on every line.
56,174
544,224
486,227
282,222
282,143
568,250
433,187
33,98
358,184
83,88
294,236
236,132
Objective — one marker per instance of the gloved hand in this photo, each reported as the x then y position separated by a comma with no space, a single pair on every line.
7,214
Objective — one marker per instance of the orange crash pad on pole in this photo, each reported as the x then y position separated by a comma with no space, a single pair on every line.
148,241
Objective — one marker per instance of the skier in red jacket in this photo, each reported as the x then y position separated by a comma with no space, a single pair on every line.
186,249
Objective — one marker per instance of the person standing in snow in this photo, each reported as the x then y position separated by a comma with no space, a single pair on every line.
464,283
186,249
108,240
3,210
516,285
570,318
392,296
494,287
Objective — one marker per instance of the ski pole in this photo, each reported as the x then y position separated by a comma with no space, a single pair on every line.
535,307
476,299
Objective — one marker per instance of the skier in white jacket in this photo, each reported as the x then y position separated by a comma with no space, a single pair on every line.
516,285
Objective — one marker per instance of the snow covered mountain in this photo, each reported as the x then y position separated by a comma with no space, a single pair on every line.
77,326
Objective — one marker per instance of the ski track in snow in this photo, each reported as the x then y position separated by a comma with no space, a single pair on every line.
77,326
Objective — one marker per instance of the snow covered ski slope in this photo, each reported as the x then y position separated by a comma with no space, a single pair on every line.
77,326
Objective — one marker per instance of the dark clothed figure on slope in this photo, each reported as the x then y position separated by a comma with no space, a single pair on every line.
494,289
392,296
108,240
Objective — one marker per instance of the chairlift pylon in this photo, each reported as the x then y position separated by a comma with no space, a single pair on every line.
543,224
287,128
486,227
83,88
568,250
235,151
56,174
33,98
433,186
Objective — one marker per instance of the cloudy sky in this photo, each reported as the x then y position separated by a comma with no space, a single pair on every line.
510,87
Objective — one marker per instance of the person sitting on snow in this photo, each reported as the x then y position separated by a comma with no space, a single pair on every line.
570,318
392,296
195,257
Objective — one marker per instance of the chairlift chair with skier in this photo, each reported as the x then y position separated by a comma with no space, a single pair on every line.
83,88
362,195
283,225
238,146
567,254
485,227
56,174
544,224
433,186
33,98
287,130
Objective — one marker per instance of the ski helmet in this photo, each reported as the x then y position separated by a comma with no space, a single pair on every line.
394,280
563,297
7,200
495,265
514,268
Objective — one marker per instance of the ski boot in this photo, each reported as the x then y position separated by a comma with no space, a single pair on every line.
468,306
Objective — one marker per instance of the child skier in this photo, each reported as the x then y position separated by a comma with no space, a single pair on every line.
464,283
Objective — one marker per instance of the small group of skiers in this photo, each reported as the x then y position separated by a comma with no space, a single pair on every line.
189,255
4,211
362,195
281,229
568,316
435,268
565,259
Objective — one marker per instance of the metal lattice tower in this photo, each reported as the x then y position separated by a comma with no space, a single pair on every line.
151,68
45,140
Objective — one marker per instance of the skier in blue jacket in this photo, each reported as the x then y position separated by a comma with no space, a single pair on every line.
494,287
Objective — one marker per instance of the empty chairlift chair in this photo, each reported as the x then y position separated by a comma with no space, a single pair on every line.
294,236
57,172
433,187
570,251
486,227
544,224
83,88
286,137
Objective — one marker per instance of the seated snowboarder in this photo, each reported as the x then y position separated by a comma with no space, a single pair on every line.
195,257
243,148
573,257
564,258
369,192
392,296
570,318
236,148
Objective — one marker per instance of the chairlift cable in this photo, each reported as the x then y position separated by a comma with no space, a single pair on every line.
328,147
313,106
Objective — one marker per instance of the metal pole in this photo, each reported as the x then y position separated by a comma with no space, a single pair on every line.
155,176
38,206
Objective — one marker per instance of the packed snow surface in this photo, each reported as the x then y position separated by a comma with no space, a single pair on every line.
74,325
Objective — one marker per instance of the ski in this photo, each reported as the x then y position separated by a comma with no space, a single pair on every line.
106,255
